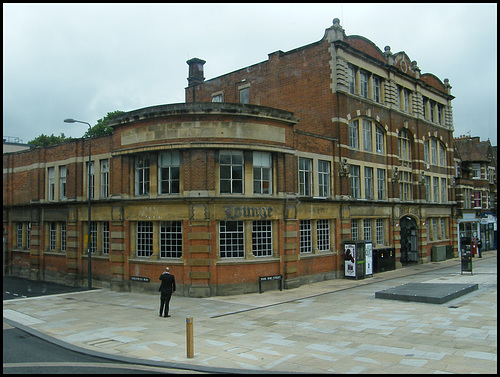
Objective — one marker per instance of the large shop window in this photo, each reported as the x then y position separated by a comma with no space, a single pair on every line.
262,242
231,172
305,236
144,238
231,239
170,239
323,234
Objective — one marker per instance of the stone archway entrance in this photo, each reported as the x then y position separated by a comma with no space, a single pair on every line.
409,235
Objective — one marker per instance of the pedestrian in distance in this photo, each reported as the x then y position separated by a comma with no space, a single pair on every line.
167,287
479,245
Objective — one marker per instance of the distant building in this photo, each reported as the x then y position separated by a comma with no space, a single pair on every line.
267,171
476,188
14,144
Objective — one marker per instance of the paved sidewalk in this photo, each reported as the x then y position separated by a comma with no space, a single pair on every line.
334,326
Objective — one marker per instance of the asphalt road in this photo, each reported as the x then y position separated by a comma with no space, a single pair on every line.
15,287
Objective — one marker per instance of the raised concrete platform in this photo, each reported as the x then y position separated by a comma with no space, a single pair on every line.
432,293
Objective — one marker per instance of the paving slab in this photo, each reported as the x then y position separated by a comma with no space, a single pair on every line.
334,326
431,293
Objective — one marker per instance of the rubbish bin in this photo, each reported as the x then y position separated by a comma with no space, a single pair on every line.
384,259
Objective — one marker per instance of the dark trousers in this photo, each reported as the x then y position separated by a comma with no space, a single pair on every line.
164,302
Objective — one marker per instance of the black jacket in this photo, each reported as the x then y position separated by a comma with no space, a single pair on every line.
167,283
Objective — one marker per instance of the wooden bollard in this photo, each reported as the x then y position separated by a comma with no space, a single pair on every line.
189,338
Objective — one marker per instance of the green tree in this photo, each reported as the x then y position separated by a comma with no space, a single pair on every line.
45,140
102,128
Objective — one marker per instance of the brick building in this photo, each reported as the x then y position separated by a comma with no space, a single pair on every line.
264,171
388,127
476,190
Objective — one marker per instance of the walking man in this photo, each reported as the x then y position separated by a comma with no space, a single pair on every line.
167,287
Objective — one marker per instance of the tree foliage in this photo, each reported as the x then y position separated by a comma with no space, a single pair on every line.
45,140
100,129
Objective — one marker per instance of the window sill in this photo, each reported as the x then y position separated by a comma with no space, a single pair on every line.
318,254
256,260
162,261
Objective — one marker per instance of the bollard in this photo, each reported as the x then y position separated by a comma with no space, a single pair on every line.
189,337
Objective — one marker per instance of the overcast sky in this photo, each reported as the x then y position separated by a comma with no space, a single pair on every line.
84,60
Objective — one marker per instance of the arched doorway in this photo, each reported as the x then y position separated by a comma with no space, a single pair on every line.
408,231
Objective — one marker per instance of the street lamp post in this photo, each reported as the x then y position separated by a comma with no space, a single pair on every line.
88,193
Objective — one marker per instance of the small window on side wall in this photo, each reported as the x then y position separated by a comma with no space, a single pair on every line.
245,95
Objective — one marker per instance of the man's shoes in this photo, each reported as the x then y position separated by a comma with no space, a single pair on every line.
167,316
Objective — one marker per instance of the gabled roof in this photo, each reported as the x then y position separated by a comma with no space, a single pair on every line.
470,150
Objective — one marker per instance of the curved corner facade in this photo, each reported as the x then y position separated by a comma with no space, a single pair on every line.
265,171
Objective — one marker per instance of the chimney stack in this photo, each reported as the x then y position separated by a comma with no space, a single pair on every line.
195,76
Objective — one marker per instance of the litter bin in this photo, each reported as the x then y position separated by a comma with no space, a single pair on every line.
384,259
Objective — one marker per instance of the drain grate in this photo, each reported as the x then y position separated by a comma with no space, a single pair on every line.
104,343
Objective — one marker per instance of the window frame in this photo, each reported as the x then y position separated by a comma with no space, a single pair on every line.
259,172
381,182
354,134
244,95
367,136
232,181
90,174
104,178
476,170
262,238
170,239
169,172
235,245
305,236
368,172
62,182
52,235
380,231
379,140
355,182
144,239
351,78
324,167
363,81
404,144
323,234
51,183
142,175
377,93
105,231
305,176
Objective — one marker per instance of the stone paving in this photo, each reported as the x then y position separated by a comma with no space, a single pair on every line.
335,326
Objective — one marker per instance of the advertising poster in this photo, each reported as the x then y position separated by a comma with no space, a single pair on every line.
369,258
350,260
